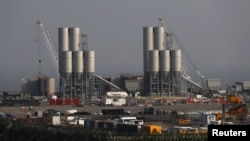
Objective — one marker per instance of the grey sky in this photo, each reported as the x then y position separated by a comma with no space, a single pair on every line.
214,33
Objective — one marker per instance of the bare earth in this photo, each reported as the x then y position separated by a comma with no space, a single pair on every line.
22,111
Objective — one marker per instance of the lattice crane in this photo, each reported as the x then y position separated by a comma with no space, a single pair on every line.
49,44
171,43
54,56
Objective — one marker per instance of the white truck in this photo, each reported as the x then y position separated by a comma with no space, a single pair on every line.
201,99
77,121
72,111
114,101
119,94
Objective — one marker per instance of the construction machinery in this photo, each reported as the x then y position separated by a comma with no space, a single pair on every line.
234,109
173,43
49,44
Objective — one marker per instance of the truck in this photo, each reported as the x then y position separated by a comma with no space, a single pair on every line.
200,98
118,94
114,101
77,121
72,111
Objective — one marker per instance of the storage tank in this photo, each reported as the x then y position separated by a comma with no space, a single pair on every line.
49,86
89,61
175,60
159,38
164,60
148,44
66,69
77,63
74,38
153,61
63,43
63,39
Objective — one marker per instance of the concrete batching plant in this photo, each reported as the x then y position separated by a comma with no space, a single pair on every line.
76,66
162,67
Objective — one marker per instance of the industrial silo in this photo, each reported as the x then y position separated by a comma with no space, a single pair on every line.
77,63
159,38
89,61
49,86
148,44
66,69
74,38
63,39
175,60
63,43
153,61
164,61
176,65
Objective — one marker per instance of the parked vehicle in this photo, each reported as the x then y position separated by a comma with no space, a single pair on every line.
78,121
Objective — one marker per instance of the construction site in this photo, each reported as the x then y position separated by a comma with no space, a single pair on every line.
166,80
165,72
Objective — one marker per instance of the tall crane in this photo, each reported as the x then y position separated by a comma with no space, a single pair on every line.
54,56
171,43
49,44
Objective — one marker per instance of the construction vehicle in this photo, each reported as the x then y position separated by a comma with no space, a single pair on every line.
234,108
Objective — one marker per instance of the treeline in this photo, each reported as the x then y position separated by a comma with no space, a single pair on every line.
22,131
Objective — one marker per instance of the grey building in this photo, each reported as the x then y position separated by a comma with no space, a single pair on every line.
214,84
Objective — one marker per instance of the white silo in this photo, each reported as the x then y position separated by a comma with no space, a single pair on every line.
74,38
89,61
164,61
63,39
49,86
176,60
77,63
153,61
66,69
148,44
63,43
159,38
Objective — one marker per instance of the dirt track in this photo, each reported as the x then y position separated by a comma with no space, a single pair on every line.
22,111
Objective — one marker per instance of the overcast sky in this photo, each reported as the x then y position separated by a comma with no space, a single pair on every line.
214,33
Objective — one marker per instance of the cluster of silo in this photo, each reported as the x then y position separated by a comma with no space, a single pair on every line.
162,66
44,86
75,64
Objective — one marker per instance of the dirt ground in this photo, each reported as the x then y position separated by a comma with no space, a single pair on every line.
22,111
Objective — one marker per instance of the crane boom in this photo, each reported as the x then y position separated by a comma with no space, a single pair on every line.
53,54
49,44
172,42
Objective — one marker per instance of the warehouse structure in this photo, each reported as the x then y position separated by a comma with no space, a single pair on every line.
41,86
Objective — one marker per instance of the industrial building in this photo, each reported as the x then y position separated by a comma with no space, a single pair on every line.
242,86
44,86
214,84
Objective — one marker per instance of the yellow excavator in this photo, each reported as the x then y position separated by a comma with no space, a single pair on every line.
234,108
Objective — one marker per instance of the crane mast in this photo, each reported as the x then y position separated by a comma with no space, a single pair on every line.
172,42
49,44
54,56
